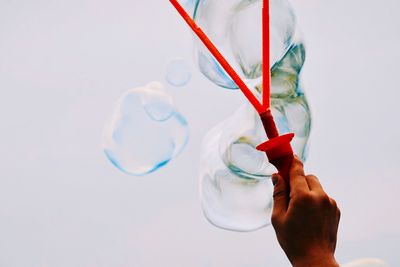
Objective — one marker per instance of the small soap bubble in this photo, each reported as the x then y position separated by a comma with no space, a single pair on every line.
178,72
145,132
368,262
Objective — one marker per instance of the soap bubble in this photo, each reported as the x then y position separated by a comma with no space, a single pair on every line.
236,191
178,72
156,102
230,201
244,131
236,29
368,262
188,5
145,132
285,73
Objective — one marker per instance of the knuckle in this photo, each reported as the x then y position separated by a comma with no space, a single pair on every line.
323,199
303,197
312,176
297,166
333,203
312,199
279,194
297,161
275,219
338,213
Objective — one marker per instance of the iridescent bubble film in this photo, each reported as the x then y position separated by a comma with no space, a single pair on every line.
368,262
178,72
229,200
235,28
145,132
236,190
188,5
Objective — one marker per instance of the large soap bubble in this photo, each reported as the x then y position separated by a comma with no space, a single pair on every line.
244,131
145,132
236,28
367,262
236,191
285,73
188,5
231,201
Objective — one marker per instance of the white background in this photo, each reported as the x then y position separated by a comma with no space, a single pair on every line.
63,64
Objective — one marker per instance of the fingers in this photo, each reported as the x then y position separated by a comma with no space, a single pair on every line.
298,182
314,184
281,197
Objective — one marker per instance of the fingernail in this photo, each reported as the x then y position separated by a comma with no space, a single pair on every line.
274,179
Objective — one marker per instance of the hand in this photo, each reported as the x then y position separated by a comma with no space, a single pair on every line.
305,219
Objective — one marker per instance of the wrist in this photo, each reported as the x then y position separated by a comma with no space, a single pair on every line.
319,260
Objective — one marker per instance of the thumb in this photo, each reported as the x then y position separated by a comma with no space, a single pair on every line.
281,197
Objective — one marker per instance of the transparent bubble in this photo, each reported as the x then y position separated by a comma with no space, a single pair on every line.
240,136
188,5
368,262
236,190
230,201
178,72
156,102
236,28
244,131
145,132
285,73
295,117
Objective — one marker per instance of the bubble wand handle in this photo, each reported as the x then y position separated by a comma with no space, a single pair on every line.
219,57
266,60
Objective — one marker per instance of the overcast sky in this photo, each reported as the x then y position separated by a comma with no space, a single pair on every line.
63,65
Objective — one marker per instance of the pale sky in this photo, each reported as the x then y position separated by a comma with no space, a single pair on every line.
63,65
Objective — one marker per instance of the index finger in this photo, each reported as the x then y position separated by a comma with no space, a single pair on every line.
297,178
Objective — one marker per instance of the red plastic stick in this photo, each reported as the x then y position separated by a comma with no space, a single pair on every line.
266,55
277,148
218,56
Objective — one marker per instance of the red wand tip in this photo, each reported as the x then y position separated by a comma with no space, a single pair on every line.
278,148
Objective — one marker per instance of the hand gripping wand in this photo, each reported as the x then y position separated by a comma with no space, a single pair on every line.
278,148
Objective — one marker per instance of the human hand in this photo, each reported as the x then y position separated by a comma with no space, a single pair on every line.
305,219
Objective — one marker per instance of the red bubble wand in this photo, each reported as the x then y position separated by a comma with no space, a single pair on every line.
278,148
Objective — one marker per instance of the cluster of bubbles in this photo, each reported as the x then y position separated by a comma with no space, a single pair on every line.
145,132
236,190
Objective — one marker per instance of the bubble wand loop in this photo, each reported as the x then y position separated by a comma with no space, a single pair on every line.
277,148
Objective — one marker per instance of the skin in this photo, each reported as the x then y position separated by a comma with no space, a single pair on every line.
305,219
